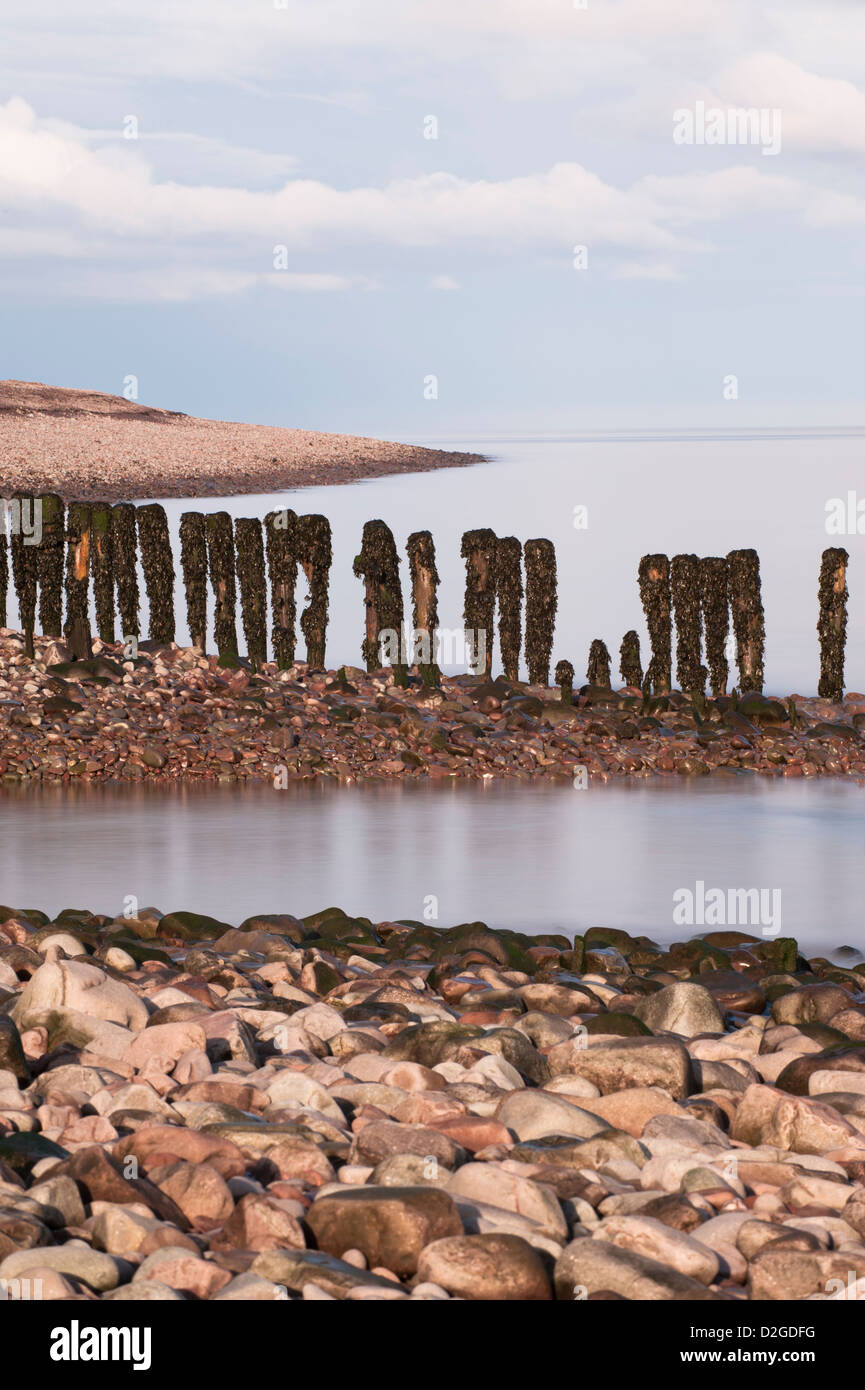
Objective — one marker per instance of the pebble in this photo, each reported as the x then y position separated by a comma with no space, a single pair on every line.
311,1109
172,713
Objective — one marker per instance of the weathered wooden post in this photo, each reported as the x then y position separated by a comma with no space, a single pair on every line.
78,540
157,563
509,592
315,553
478,549
565,681
654,577
743,578
24,547
49,564
4,563
377,564
630,665
193,563
832,623
102,569
715,606
279,529
125,547
541,606
685,591
253,588
598,668
220,556
425,613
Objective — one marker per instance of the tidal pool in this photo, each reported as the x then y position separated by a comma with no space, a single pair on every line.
532,858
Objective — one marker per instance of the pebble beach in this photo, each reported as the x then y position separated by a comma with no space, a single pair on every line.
94,446
172,713
330,1108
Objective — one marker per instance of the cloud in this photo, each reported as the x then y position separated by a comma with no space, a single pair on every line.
46,172
77,198
175,154
228,40
818,113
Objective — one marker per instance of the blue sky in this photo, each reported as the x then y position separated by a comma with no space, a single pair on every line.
301,126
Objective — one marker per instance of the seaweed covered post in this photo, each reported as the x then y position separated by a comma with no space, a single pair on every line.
193,563
377,564
509,593
478,549
598,668
157,563
541,605
253,588
220,557
715,606
125,547
832,623
743,579
24,545
315,553
102,569
78,540
4,564
49,564
279,530
630,665
654,578
685,591
424,597
565,681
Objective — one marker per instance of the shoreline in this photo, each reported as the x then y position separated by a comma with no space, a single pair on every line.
331,1108
87,446
172,715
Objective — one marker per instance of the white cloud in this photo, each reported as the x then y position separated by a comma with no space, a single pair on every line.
233,39
818,113
175,154
45,173
76,199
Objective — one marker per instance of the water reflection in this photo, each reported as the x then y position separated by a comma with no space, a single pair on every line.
532,858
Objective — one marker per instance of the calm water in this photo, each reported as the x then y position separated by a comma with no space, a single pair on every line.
705,496
538,859
535,859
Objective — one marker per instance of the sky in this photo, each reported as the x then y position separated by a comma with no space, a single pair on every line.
438,218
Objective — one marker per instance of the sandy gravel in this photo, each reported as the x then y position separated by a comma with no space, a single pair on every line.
88,445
